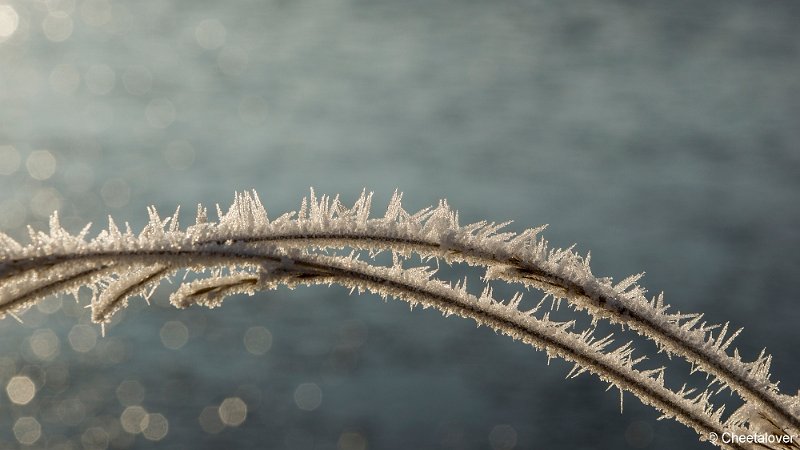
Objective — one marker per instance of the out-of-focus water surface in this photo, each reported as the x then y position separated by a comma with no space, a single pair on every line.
663,137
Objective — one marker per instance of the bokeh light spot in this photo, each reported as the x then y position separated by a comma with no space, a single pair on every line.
210,421
308,396
41,164
44,344
21,390
95,438
257,340
157,427
130,393
134,419
45,201
82,338
233,411
27,430
57,26
174,334
9,21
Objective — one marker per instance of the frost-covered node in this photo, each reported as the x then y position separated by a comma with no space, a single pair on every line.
245,252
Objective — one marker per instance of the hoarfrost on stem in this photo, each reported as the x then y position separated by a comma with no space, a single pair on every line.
245,251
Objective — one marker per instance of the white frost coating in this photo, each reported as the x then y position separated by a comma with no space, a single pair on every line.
138,280
121,264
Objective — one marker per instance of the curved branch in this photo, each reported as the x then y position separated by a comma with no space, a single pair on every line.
522,259
601,300
431,233
414,286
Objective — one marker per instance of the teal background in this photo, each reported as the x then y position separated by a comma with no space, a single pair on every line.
663,137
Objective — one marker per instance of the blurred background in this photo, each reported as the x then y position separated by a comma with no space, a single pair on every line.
663,137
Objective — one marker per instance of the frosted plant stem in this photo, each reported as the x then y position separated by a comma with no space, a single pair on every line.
614,366
61,282
133,264
511,322
642,318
